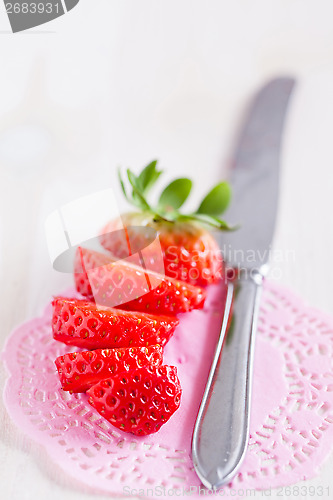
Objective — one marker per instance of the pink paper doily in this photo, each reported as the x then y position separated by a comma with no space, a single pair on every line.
291,419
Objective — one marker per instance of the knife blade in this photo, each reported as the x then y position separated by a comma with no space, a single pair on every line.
221,430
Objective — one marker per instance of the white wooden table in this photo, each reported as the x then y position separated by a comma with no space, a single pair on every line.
125,82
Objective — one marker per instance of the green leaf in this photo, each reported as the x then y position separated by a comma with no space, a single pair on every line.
209,220
173,197
216,201
148,177
215,222
122,185
132,179
175,194
138,198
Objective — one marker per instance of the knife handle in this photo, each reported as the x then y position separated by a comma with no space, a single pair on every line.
221,432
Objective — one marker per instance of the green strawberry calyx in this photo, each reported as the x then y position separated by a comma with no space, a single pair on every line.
174,196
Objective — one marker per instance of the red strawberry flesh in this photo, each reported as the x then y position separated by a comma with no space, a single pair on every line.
80,370
140,401
187,250
121,284
83,324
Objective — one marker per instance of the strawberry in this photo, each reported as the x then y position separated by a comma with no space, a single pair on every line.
188,250
120,283
80,370
140,401
81,323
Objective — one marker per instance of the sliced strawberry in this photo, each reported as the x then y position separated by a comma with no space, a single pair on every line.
188,252
80,370
119,283
140,401
81,323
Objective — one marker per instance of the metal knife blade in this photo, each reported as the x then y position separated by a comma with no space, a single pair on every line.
254,176
222,428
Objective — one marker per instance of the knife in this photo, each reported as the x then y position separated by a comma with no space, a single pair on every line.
221,430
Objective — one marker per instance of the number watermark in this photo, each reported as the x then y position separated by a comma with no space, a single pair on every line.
25,14
295,491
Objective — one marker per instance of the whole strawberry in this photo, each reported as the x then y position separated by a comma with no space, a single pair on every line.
189,251
140,401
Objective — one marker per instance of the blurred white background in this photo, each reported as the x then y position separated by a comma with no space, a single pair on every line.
123,82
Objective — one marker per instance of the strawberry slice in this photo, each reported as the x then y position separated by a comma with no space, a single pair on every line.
140,401
80,370
122,284
81,323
